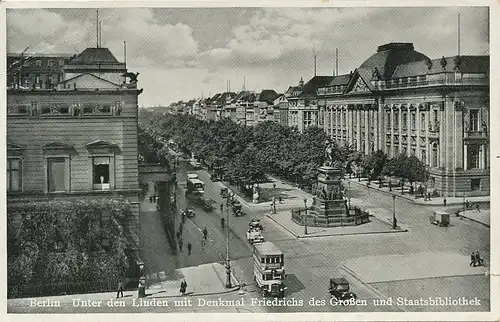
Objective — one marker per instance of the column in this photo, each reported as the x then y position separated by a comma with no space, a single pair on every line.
342,125
465,157
358,128
442,139
391,129
417,130
366,111
400,128
331,121
481,156
380,126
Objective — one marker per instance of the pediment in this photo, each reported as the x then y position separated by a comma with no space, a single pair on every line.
101,146
15,149
89,81
357,84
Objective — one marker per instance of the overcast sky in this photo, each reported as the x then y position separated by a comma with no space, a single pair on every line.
182,53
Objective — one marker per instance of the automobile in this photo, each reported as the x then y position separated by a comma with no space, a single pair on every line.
339,288
237,209
255,223
188,213
224,192
254,235
207,204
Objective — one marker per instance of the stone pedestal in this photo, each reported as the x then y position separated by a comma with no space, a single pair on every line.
329,208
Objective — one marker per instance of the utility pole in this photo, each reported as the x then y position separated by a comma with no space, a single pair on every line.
97,28
228,263
394,222
458,36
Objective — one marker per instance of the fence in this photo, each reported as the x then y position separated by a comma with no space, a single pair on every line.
55,289
355,216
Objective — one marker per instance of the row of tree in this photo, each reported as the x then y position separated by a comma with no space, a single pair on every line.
245,154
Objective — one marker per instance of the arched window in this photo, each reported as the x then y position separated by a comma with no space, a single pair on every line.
434,160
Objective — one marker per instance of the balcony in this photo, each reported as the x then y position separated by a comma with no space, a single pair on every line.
475,134
449,79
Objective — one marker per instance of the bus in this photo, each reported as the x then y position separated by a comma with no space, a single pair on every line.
195,186
269,269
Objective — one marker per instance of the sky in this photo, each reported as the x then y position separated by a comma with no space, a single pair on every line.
184,53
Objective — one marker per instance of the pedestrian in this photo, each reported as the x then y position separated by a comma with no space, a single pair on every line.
479,261
428,196
222,222
183,287
280,199
183,215
120,290
221,207
180,245
477,207
472,259
178,234
444,201
205,233
189,248
150,199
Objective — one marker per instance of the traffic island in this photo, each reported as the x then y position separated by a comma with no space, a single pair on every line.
373,226
441,281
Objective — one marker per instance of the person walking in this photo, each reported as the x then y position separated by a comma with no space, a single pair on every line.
183,287
180,245
477,207
444,201
221,207
222,222
479,261
280,199
189,248
120,290
205,233
472,259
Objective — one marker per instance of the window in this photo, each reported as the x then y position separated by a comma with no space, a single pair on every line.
413,120
56,174
50,64
472,156
404,120
435,113
474,120
413,151
14,175
396,150
100,169
61,63
422,122
434,155
475,184
38,63
395,120
424,156
388,119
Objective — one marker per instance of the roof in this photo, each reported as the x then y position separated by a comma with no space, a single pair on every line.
246,96
390,56
339,280
93,56
340,80
195,180
316,82
267,95
466,64
268,248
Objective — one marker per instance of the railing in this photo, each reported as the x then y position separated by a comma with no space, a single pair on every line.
475,134
433,80
64,109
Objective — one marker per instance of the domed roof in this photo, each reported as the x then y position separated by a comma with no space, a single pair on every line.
391,55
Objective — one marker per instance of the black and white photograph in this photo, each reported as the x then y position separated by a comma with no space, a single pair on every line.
313,158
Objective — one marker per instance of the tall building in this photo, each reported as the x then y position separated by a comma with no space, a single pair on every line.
77,137
401,101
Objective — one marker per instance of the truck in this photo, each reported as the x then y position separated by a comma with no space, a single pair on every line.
269,269
254,236
195,186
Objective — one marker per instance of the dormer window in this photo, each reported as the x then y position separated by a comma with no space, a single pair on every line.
50,64
61,63
38,63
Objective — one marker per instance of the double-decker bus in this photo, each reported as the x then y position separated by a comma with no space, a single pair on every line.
269,269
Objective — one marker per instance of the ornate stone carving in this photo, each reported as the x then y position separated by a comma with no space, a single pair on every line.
443,62
459,105
429,63
457,62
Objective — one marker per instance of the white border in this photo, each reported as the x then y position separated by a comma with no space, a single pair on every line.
494,315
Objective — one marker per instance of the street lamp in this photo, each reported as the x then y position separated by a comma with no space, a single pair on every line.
228,262
305,217
273,211
465,196
349,195
394,221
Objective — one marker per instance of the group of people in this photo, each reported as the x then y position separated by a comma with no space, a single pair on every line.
184,286
475,259
470,205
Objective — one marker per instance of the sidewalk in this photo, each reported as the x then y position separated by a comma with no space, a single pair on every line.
438,201
375,226
482,217
202,280
388,268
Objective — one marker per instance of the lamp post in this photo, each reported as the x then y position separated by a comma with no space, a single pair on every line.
394,221
273,211
349,195
228,262
465,196
305,217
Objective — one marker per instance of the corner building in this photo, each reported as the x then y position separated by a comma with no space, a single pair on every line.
77,139
401,101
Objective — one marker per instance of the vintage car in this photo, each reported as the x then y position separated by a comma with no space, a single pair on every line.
237,209
188,213
207,204
254,235
255,223
339,288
